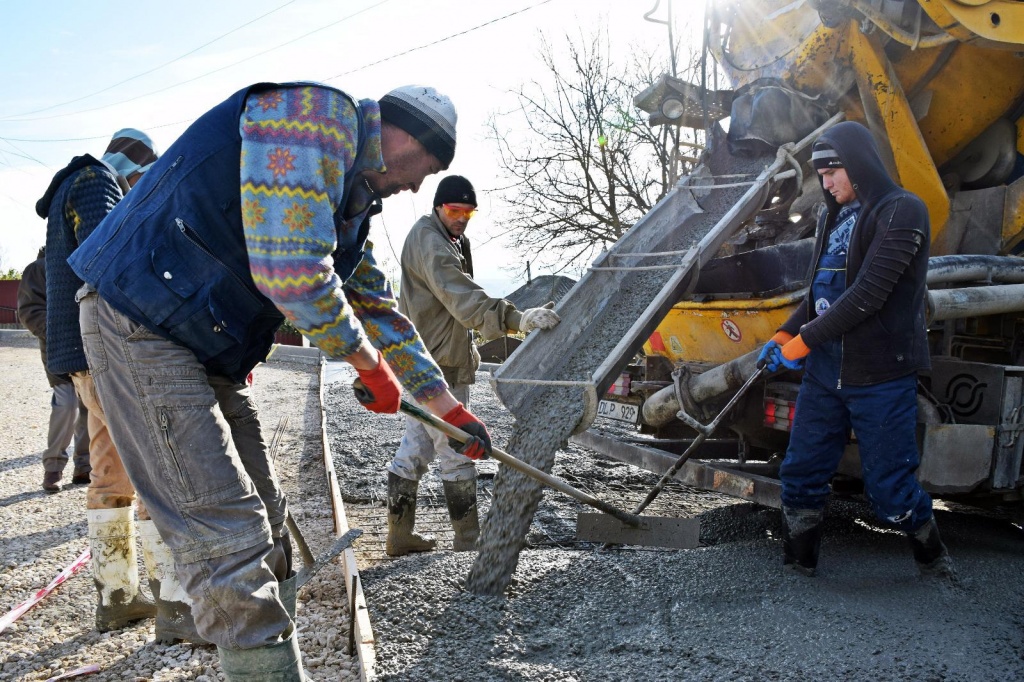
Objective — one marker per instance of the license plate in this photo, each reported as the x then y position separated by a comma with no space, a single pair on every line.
623,412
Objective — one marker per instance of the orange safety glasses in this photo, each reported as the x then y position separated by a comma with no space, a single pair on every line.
457,212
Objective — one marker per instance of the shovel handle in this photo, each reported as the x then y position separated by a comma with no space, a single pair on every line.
521,466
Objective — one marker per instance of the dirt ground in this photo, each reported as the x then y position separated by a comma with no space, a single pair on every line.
724,611
40,534
721,612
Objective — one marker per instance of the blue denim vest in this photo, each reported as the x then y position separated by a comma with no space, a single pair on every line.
172,254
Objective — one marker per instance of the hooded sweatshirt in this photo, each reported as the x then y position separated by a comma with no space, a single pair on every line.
880,317
78,198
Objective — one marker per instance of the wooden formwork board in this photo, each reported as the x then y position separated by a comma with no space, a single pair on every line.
353,584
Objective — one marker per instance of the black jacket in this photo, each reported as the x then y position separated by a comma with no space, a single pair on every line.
32,309
881,315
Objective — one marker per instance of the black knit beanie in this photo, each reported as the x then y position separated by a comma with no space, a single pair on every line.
454,189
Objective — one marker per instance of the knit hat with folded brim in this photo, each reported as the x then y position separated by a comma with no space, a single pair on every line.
130,151
426,114
824,156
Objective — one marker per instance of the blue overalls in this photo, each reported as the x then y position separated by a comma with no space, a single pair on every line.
883,418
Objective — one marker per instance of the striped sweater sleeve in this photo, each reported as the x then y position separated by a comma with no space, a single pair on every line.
297,145
391,332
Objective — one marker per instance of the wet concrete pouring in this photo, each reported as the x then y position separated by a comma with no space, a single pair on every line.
724,611
550,415
536,604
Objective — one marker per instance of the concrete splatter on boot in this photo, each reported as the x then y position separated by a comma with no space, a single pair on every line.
461,499
115,569
402,518
174,622
801,540
930,553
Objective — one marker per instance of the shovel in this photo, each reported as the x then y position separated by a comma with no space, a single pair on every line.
629,528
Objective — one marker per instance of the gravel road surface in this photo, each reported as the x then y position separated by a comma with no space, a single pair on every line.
40,534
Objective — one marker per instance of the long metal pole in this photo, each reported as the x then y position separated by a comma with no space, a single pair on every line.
522,467
702,435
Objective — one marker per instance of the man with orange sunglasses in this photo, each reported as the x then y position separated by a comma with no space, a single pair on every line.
444,303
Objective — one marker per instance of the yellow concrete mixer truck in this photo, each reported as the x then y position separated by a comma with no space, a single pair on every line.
940,84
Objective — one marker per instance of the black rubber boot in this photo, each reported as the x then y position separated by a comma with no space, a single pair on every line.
279,662
174,622
461,499
930,553
402,518
801,540
287,591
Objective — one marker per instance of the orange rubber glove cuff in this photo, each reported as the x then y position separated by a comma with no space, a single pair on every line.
782,338
795,349
383,386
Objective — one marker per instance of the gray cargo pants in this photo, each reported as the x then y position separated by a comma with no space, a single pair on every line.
68,416
216,501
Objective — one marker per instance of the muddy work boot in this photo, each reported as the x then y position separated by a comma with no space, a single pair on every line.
115,569
81,475
930,553
51,481
279,662
174,621
461,499
801,540
402,517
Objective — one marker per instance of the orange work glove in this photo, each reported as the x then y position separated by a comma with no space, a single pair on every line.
380,390
794,352
477,447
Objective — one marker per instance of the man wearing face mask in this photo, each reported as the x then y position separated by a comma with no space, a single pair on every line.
446,305
861,332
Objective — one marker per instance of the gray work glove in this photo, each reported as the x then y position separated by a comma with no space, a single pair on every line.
539,318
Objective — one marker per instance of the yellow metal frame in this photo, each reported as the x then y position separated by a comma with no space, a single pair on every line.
991,23
887,106
719,331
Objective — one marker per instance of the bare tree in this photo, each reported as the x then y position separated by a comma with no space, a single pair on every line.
586,165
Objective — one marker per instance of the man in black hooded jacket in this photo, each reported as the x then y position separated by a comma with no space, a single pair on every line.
862,332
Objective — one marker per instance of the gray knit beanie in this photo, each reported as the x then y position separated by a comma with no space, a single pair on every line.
426,114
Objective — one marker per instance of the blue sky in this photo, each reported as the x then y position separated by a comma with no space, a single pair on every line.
74,72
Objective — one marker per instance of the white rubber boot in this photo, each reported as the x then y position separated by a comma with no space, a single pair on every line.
115,568
174,621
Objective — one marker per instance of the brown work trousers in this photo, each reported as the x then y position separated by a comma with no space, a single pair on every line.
109,485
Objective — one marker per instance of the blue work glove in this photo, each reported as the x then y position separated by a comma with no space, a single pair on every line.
793,353
771,355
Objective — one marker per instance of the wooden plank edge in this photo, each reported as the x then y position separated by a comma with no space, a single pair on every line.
365,645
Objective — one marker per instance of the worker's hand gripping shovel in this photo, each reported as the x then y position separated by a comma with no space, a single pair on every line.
635,530
475,445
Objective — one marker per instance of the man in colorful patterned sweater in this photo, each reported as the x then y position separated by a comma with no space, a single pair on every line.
259,212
